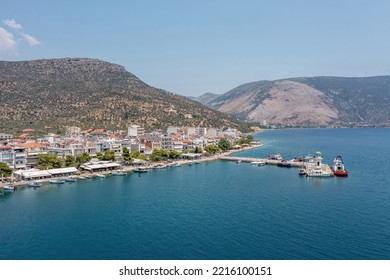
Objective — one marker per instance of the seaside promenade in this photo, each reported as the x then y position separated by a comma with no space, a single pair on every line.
129,169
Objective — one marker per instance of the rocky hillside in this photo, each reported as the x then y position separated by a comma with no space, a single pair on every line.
310,102
92,93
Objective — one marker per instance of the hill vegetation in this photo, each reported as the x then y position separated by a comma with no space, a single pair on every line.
91,93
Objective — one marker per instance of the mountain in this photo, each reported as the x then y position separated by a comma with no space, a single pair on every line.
310,102
206,98
92,93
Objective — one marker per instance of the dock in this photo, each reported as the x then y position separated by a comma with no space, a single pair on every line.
309,166
266,160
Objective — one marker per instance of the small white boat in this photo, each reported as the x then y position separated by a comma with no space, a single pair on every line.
258,163
302,171
176,164
35,184
9,188
100,175
70,179
140,170
318,173
82,178
160,167
119,173
57,181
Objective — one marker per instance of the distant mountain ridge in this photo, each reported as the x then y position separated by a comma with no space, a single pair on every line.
92,93
310,102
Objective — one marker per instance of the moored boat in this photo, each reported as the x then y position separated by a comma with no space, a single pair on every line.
302,171
70,179
57,181
258,163
140,170
160,166
338,167
119,173
9,188
284,163
35,184
100,175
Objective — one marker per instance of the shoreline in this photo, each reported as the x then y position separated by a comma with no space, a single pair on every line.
129,169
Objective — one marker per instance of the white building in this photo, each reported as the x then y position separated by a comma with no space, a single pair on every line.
5,136
173,130
177,146
6,155
135,131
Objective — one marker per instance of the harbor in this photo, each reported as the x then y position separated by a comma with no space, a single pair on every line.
309,166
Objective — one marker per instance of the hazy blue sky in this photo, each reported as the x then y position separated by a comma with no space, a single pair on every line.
191,47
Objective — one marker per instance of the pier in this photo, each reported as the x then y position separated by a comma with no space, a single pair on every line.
310,167
266,160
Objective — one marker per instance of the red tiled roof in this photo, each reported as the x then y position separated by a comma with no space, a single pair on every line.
5,147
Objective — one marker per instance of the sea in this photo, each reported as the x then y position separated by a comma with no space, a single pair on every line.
217,210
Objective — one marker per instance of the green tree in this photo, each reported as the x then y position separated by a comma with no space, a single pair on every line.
49,161
70,161
224,144
126,155
174,154
158,155
198,150
109,155
5,170
212,149
138,155
99,155
85,157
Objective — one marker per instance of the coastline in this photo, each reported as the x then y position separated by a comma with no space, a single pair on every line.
129,169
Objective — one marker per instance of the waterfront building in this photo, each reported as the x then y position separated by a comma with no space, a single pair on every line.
6,155
20,158
32,159
98,166
166,143
34,174
177,146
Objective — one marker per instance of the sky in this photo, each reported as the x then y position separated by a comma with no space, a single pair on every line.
193,47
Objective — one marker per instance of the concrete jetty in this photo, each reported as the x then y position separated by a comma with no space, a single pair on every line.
266,160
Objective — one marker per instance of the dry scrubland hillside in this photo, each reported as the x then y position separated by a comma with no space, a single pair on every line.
92,93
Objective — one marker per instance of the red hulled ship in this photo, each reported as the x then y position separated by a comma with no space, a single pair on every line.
338,167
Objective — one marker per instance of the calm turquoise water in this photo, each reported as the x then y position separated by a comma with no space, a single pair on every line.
216,210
